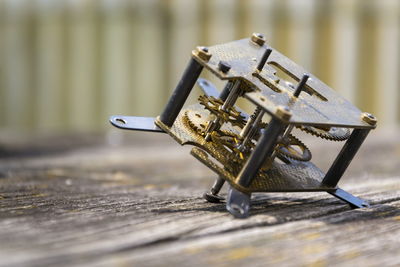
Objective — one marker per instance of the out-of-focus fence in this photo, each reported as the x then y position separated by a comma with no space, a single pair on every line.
67,65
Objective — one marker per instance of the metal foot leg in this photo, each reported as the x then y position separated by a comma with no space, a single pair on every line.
238,203
212,196
353,201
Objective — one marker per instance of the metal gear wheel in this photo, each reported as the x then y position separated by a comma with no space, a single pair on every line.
333,133
287,148
231,115
197,120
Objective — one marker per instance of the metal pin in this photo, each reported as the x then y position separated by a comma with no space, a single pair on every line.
301,85
264,58
224,66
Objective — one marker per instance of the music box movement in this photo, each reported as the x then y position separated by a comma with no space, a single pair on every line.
257,151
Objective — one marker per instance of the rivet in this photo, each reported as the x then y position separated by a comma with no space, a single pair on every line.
283,113
203,53
369,118
258,38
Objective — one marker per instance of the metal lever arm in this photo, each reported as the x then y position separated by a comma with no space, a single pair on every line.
135,123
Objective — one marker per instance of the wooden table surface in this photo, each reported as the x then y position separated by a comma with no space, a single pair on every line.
135,200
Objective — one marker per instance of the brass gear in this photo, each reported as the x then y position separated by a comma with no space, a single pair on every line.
285,148
231,115
226,138
197,120
332,134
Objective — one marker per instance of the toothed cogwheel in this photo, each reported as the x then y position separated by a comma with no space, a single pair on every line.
287,148
197,120
333,134
214,105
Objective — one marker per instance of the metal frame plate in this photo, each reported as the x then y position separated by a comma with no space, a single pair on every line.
296,176
319,105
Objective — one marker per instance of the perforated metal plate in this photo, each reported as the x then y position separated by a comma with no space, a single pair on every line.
296,176
318,105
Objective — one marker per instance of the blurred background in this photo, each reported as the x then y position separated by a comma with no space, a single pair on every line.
66,65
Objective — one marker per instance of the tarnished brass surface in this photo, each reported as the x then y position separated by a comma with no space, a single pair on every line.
287,175
253,152
317,105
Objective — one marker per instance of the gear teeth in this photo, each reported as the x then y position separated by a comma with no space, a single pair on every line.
341,136
306,155
232,115
192,125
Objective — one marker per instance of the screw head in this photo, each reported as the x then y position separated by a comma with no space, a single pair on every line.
369,118
258,38
202,53
224,66
283,113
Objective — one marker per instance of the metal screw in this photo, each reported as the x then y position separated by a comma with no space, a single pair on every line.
258,38
202,53
283,113
369,118
224,66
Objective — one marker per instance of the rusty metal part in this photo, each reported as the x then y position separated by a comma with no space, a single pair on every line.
332,133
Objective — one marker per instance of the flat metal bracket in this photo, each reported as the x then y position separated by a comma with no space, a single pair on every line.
353,201
135,123
238,203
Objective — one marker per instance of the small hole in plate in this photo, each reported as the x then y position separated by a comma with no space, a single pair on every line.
119,120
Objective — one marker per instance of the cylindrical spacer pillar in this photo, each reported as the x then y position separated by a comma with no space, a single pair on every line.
344,157
264,148
181,92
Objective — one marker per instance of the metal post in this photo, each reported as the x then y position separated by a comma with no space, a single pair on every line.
181,93
225,92
301,85
344,157
264,148
213,196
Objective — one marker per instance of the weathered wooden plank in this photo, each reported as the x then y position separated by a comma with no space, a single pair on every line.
140,204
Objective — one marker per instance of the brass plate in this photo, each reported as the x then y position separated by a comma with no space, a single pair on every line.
318,105
296,176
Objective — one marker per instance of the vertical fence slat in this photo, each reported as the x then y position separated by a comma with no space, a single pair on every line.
302,42
147,55
367,54
345,48
70,64
388,63
2,66
17,66
184,37
116,75
222,21
81,72
50,66
260,18
324,45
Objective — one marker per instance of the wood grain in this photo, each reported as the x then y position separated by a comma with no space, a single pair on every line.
80,201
